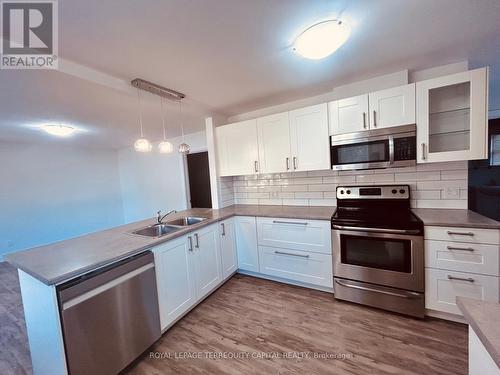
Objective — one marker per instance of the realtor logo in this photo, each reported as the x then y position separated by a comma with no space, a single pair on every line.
29,35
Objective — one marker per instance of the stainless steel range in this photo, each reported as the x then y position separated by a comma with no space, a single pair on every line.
378,249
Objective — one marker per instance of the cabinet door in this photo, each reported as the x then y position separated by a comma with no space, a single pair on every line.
237,148
309,140
349,115
208,273
246,243
452,119
274,143
174,279
392,107
228,248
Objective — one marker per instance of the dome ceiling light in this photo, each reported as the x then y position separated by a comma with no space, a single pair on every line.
59,130
322,39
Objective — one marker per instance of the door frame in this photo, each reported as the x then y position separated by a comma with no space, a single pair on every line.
184,169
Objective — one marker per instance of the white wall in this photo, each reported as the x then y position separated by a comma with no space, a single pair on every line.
52,192
153,181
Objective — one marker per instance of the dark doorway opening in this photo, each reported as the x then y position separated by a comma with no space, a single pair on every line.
199,180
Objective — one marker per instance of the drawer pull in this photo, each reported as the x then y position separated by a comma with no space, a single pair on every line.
468,279
294,255
470,234
289,222
460,248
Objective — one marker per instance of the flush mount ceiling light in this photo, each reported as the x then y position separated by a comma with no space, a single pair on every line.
142,144
322,39
59,130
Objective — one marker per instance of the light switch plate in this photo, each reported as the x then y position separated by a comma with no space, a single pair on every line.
451,193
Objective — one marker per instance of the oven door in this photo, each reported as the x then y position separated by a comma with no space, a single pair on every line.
373,152
390,258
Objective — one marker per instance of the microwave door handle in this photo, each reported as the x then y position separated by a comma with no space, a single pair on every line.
391,150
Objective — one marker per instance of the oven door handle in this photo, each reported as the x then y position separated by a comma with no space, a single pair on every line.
408,295
376,230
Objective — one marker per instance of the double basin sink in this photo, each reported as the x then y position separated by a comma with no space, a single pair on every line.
162,229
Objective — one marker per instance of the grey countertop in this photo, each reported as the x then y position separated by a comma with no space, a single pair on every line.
61,261
455,218
484,318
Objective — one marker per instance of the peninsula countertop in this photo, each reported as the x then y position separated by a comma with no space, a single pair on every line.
61,261
483,317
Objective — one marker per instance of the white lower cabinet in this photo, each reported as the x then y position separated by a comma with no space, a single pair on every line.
187,269
229,257
303,266
480,361
442,287
206,249
175,281
246,243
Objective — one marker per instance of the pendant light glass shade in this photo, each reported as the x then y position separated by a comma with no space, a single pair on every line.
142,144
164,147
183,147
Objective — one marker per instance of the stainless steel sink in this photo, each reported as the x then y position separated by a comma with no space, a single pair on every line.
186,221
157,230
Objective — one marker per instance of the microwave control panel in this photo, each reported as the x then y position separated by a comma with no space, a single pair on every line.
405,148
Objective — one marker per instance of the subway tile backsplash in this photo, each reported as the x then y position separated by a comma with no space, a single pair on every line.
434,185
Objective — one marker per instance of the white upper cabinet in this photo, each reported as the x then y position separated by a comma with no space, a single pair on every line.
309,140
274,143
349,115
452,117
237,148
392,107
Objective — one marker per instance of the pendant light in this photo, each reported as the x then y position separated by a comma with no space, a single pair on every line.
142,144
183,147
164,147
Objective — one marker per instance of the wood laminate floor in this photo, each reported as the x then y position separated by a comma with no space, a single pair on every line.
271,328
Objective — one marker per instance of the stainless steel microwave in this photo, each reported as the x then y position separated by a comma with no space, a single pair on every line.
378,148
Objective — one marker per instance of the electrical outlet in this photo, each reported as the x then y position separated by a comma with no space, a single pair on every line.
274,194
451,193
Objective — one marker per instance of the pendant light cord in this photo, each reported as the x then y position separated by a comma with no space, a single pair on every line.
140,111
163,118
182,123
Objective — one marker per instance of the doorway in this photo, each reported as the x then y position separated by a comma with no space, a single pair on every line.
198,175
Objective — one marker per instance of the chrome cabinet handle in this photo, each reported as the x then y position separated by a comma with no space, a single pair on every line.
190,248
364,120
460,248
468,279
289,222
374,119
287,164
423,151
450,233
294,162
223,229
256,166
293,255
197,245
406,295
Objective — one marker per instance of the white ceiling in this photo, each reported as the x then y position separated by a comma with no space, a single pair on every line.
234,56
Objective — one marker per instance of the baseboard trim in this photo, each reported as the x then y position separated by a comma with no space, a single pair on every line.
286,281
445,316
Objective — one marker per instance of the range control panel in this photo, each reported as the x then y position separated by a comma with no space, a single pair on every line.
374,192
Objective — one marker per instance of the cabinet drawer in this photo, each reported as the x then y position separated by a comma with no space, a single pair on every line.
464,257
296,265
304,235
441,291
470,235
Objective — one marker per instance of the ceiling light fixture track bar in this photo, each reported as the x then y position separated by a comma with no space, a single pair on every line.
157,89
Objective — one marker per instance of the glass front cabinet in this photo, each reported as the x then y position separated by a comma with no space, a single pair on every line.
452,117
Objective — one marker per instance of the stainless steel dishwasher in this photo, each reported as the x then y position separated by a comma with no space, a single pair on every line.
110,316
